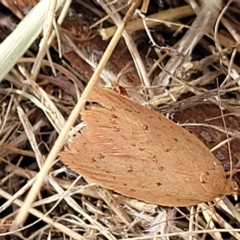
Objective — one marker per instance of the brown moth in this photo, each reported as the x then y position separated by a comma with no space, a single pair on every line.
141,154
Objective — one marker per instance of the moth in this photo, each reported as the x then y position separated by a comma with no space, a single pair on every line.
141,154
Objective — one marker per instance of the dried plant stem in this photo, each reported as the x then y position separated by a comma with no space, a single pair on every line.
22,215
26,33
171,14
203,24
131,47
43,217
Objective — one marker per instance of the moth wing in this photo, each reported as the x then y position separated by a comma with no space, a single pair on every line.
139,153
133,177
121,126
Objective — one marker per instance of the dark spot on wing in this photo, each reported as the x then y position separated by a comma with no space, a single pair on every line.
145,127
167,150
116,129
114,116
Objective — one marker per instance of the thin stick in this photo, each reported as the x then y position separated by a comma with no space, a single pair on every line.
42,216
23,212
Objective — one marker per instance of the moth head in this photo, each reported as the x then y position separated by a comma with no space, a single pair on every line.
215,182
231,188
